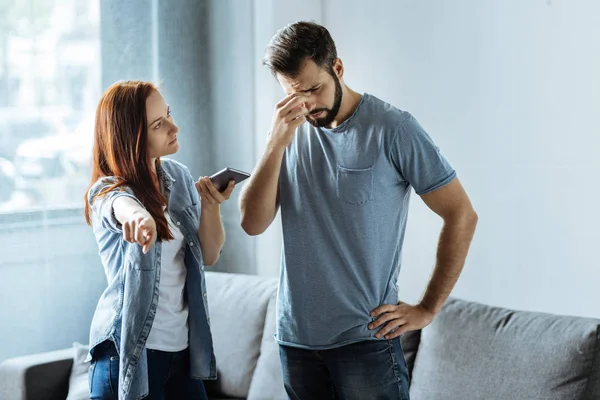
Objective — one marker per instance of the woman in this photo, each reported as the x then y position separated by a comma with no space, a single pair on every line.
156,228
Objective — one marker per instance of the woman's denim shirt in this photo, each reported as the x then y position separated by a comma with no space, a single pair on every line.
127,307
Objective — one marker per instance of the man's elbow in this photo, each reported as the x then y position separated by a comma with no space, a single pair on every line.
209,263
466,217
211,260
251,227
250,222
471,218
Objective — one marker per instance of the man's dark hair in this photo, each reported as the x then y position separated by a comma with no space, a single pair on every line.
294,43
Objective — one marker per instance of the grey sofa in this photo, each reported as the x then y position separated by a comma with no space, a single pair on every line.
470,352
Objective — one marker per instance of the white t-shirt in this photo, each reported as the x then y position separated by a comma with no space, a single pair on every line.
170,328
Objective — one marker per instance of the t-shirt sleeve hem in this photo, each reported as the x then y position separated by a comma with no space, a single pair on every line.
438,185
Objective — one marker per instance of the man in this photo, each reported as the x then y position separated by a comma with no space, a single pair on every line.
343,183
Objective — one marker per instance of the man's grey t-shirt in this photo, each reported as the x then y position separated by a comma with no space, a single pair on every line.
344,196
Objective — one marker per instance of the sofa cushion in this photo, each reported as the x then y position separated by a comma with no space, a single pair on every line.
473,351
37,376
267,382
78,380
237,307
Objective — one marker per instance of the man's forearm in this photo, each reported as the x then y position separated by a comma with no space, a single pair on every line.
211,233
453,247
258,200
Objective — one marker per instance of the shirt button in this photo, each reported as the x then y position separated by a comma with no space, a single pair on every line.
178,223
191,244
204,294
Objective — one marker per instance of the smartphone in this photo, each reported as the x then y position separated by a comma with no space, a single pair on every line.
221,179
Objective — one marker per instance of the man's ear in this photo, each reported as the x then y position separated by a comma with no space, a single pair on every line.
338,68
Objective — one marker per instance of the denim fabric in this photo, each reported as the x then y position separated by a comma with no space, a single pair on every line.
169,379
126,308
373,370
168,375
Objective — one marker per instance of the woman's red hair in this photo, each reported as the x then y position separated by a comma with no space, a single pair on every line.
121,149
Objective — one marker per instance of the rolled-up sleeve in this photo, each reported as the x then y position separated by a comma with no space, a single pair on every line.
102,205
418,159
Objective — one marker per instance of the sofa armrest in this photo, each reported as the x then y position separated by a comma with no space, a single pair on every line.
37,376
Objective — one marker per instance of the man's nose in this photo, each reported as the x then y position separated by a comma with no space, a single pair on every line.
309,105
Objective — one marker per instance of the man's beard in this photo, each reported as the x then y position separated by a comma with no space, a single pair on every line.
330,113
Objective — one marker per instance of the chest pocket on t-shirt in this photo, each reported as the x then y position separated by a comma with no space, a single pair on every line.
354,185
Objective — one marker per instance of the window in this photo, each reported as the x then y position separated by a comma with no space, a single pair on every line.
52,74
49,87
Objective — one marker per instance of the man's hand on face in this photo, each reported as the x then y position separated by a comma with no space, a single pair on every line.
288,115
402,317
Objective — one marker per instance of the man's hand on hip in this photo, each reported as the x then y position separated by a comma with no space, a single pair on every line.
402,317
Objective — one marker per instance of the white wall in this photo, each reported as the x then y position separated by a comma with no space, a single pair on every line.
510,91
